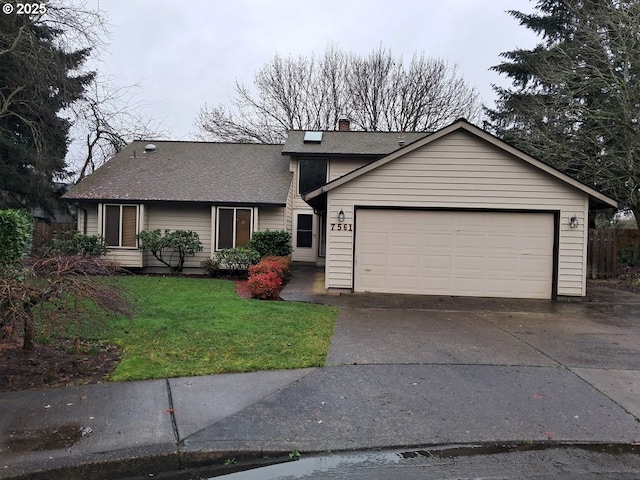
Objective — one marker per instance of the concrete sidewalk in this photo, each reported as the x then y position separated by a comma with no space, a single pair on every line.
403,371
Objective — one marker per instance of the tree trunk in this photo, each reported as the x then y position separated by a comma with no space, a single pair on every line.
29,333
636,214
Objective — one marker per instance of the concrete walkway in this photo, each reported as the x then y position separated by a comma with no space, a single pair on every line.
401,371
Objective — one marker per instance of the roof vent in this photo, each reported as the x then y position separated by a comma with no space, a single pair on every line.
149,148
312,137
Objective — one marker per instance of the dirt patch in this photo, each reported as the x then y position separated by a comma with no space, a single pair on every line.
627,278
54,365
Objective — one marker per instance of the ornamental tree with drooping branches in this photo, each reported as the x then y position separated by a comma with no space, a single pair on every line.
171,247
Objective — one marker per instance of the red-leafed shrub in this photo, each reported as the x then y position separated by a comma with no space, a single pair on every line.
265,285
267,278
280,265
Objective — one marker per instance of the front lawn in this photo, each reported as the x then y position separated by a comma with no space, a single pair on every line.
199,326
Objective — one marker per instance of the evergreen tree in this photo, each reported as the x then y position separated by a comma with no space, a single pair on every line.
575,100
38,79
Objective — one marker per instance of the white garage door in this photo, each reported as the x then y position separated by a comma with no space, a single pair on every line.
484,254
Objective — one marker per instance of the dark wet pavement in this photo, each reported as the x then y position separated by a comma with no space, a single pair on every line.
417,371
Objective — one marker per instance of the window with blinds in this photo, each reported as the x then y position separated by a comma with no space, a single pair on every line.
234,227
121,225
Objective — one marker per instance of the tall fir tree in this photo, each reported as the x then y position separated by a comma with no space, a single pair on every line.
39,78
575,99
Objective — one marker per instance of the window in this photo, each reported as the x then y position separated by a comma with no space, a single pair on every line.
304,237
311,174
234,227
121,225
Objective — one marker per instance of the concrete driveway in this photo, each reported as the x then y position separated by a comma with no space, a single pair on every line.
597,339
602,333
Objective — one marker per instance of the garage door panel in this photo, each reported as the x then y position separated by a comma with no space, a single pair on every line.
455,253
467,263
373,238
469,241
506,266
502,241
399,238
403,262
373,261
438,240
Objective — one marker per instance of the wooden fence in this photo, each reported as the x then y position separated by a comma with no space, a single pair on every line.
44,233
608,247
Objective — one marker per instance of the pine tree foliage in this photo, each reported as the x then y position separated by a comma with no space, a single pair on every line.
39,78
575,99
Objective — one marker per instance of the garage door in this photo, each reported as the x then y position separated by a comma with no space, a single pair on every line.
486,254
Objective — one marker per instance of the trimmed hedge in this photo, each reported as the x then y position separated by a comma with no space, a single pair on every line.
271,243
231,261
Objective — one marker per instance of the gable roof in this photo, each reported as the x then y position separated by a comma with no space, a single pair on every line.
461,124
208,172
351,143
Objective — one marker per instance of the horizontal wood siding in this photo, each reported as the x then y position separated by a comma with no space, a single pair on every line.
460,171
180,217
92,218
341,166
271,218
126,257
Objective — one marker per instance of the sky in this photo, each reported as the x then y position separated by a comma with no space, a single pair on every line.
183,54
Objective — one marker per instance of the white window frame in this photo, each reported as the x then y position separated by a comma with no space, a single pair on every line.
103,223
235,219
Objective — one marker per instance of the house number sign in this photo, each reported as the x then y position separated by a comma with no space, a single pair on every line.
345,227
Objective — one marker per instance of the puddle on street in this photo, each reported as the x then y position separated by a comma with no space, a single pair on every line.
315,464
45,438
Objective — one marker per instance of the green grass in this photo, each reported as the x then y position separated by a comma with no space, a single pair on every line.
199,326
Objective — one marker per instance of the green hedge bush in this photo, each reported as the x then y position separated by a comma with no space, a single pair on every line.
16,234
231,261
271,243
76,243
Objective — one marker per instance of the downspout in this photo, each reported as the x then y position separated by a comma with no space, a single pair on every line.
84,218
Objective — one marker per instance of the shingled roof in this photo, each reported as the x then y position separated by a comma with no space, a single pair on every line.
349,143
216,173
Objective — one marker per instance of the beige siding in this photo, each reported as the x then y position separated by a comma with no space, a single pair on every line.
460,171
181,217
337,167
92,218
126,257
288,215
271,218
340,166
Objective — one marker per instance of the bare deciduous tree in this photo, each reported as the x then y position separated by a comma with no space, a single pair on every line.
105,120
378,92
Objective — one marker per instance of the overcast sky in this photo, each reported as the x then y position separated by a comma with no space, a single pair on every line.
186,53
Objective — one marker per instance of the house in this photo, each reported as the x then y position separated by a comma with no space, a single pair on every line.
454,212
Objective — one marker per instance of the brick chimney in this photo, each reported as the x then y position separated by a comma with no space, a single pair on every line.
344,125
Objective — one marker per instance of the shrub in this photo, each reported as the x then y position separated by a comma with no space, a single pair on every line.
171,247
211,266
76,243
235,259
16,230
271,243
265,285
280,265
